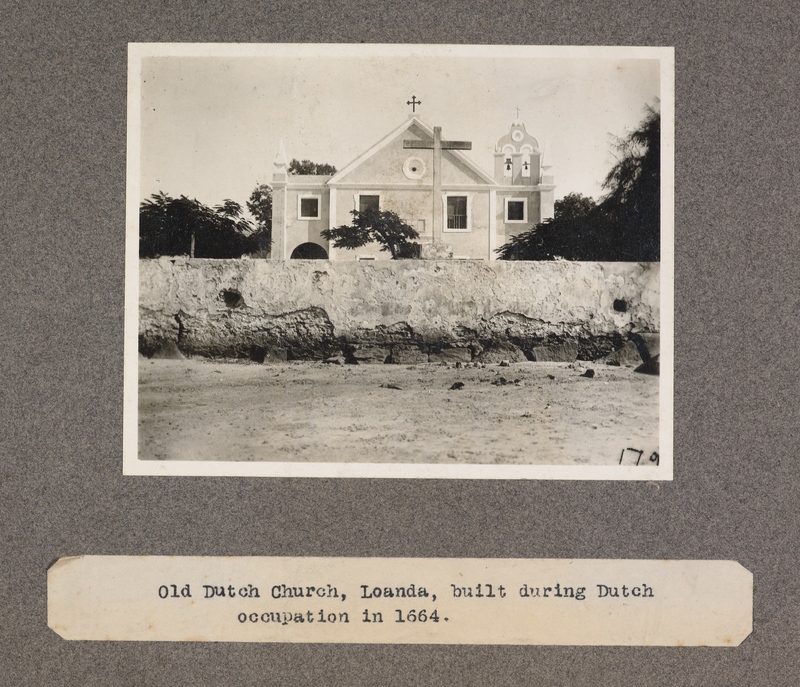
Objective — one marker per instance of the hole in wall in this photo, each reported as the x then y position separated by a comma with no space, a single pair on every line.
233,299
620,305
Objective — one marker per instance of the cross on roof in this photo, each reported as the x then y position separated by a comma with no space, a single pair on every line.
414,102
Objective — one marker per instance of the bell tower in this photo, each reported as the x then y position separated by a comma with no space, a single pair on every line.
526,184
517,158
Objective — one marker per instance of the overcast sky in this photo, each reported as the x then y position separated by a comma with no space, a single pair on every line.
210,126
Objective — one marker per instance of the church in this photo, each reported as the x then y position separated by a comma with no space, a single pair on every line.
459,210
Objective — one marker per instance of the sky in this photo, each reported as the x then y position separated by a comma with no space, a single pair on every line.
210,126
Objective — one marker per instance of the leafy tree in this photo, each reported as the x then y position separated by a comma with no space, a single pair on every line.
308,167
184,226
624,225
633,202
260,206
381,226
576,231
229,208
574,206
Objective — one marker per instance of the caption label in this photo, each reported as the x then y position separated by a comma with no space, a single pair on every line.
401,600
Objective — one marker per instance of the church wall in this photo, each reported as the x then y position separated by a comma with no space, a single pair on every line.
454,171
299,230
473,244
415,206
386,166
411,205
547,201
314,308
508,229
407,203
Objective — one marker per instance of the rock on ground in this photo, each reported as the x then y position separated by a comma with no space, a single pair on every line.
276,354
648,344
408,356
502,350
566,352
649,367
627,355
369,355
168,351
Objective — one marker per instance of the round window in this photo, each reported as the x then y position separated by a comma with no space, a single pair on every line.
517,135
414,168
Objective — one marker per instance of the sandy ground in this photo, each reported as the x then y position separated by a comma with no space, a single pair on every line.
305,411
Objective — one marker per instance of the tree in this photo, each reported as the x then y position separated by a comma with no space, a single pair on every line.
381,226
260,206
633,202
574,206
184,226
308,167
624,225
577,230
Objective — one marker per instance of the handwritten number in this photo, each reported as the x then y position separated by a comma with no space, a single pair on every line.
622,455
654,457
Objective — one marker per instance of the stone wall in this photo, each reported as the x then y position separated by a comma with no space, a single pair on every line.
394,311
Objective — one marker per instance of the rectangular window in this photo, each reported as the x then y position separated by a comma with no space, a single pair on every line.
457,212
308,207
369,202
516,210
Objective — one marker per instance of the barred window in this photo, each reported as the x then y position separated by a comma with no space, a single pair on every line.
456,212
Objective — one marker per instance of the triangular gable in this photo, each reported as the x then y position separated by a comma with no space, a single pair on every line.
399,132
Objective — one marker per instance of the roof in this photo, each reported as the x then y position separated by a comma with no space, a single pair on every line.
399,131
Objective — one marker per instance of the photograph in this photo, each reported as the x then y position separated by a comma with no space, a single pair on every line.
422,261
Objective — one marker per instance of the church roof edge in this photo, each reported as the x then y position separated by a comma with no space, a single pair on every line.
392,135
379,145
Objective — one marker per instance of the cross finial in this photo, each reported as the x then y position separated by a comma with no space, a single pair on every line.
414,102
517,112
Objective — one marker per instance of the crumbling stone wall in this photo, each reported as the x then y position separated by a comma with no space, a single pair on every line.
395,311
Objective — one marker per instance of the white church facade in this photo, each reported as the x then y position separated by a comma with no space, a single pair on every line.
459,210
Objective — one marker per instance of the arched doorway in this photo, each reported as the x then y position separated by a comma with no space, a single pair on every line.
309,251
